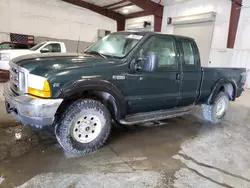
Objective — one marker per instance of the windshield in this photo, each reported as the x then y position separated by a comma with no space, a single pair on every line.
117,45
34,48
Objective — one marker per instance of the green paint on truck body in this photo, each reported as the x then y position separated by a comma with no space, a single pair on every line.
174,84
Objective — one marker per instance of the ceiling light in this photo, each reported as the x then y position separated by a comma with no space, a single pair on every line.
125,11
129,7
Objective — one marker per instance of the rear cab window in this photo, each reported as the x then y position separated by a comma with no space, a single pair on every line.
20,46
190,58
53,47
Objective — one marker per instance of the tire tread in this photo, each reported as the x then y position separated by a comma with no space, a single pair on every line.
62,127
208,110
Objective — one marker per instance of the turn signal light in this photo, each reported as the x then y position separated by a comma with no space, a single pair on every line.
45,93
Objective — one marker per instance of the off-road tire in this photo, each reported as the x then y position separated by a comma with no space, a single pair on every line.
65,123
209,111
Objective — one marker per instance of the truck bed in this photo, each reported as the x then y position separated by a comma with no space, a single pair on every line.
212,75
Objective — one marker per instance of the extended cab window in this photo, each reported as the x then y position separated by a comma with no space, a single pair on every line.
164,47
188,53
53,47
5,46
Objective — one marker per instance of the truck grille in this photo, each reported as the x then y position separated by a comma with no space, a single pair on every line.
18,78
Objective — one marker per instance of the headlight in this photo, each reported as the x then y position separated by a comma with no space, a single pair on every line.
38,86
5,56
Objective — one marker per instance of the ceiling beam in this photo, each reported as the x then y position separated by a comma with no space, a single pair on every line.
234,21
154,8
114,4
118,7
138,14
149,6
100,10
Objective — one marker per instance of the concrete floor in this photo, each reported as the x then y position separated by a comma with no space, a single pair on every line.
182,152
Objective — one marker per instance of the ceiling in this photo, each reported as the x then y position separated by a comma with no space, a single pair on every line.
129,9
125,7
169,2
102,3
119,6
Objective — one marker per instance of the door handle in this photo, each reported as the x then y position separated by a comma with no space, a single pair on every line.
178,76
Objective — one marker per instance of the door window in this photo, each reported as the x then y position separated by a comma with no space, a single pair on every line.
164,47
53,47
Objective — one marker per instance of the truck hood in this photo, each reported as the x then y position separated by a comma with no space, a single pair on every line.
16,52
42,64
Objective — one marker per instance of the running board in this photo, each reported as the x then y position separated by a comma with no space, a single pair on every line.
154,116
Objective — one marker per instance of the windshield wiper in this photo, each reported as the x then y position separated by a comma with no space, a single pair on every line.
98,53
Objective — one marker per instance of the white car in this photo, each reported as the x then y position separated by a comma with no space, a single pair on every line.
44,47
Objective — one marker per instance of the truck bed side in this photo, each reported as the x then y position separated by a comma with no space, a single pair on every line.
212,75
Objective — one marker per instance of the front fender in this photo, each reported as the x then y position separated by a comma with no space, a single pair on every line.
94,84
216,89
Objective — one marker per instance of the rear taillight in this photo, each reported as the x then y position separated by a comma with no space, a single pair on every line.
244,78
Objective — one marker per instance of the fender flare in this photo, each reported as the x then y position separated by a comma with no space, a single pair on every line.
216,89
95,84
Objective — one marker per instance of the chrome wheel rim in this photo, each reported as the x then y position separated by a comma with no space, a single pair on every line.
221,107
86,128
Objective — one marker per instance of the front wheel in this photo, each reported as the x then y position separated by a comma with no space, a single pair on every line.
84,127
216,112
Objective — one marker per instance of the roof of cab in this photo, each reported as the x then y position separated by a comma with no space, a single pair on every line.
155,33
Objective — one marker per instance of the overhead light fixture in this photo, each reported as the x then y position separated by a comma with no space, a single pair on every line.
125,11
129,7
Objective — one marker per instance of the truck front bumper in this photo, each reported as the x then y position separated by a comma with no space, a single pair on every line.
30,111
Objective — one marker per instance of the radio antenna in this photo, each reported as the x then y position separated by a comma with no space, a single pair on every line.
78,44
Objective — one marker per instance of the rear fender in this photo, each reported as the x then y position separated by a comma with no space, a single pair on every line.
228,84
96,85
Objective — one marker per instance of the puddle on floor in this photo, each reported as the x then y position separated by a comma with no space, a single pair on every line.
128,150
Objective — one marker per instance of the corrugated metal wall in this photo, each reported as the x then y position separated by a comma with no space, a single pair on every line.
241,58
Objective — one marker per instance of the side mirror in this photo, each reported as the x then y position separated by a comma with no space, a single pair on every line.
151,62
44,50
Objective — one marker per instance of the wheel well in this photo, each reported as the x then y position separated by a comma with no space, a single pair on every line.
229,89
105,98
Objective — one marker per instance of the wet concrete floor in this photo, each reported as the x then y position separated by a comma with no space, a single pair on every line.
181,152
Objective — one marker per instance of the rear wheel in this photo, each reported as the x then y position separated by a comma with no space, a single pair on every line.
84,127
216,112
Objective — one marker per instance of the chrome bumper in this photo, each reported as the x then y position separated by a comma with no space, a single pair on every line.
34,112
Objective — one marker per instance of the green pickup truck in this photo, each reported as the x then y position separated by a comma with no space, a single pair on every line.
128,77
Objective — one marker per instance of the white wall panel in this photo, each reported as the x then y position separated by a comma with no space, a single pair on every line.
53,18
4,37
222,9
241,58
220,34
221,57
241,55
132,21
198,31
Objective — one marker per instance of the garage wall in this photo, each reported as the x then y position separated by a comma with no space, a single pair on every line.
221,25
51,18
241,52
4,36
131,23
71,45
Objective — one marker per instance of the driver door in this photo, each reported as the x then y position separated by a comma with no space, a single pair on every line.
159,89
